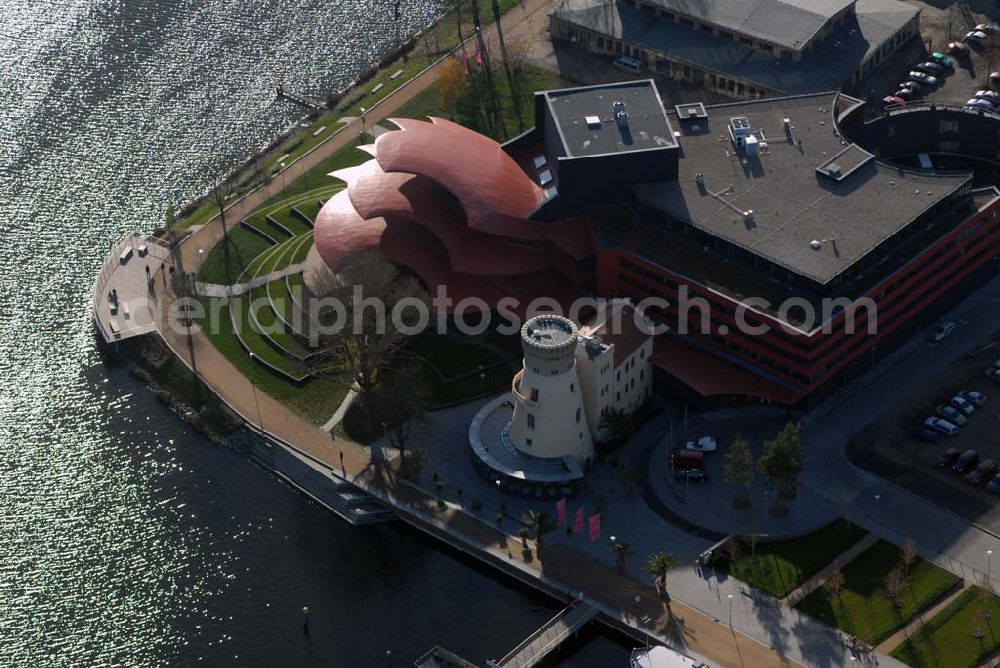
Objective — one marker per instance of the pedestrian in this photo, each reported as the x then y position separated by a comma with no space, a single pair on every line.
342,462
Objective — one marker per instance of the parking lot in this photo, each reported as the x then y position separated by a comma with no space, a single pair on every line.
939,26
888,446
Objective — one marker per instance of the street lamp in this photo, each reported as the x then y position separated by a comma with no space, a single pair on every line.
638,616
253,387
989,559
877,497
736,641
362,135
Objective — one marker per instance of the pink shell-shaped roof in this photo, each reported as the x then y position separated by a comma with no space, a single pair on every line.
339,231
494,191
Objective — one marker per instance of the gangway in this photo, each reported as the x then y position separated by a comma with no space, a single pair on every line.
549,636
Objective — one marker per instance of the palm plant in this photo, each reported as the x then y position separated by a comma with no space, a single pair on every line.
540,523
658,566
622,550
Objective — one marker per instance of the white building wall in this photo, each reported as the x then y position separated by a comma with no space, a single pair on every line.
597,381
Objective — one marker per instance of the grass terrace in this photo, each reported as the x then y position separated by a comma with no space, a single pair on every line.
316,399
782,566
863,608
949,639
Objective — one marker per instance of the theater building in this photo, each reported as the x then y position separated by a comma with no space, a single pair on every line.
787,243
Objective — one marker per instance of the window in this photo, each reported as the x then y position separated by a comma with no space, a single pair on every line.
527,441
531,421
577,414
534,394
572,387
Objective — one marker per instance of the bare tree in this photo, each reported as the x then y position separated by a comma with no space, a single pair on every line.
372,301
514,93
908,556
892,584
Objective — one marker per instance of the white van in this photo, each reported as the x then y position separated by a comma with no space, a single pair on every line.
628,64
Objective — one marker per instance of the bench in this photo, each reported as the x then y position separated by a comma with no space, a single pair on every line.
125,311
320,131
115,329
378,88
125,255
142,250
396,74
113,306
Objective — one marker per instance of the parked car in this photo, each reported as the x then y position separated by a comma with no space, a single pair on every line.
959,402
986,27
979,103
911,85
922,78
926,435
941,425
974,398
942,59
906,94
957,49
993,373
945,329
947,458
687,459
930,68
692,475
951,414
986,470
703,444
892,100
994,485
989,96
966,461
975,36
995,78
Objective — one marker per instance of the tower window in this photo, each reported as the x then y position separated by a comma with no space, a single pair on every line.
577,414
534,394
531,421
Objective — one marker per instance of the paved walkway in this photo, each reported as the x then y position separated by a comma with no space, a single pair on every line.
216,290
841,560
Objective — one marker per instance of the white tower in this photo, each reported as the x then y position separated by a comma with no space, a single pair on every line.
549,416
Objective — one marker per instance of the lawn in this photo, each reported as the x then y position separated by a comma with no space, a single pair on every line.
224,267
863,609
781,566
530,79
946,641
316,398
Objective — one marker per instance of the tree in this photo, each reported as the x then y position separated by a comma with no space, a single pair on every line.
368,324
628,476
908,556
622,549
169,221
453,84
837,581
540,523
514,93
892,585
738,470
781,462
617,425
659,566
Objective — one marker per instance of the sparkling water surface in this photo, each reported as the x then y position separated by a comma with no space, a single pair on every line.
125,538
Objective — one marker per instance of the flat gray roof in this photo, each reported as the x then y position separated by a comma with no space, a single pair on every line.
825,66
788,23
792,203
646,128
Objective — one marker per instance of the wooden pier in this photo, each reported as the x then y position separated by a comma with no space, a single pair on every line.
301,100
549,636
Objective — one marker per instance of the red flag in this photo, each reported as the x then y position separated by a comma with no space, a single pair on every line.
465,58
595,528
578,524
561,510
479,55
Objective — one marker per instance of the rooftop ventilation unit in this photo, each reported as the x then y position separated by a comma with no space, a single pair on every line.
751,145
593,122
739,126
